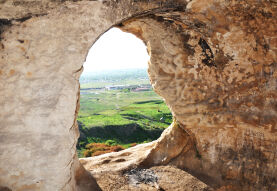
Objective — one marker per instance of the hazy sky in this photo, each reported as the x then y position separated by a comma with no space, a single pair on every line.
116,50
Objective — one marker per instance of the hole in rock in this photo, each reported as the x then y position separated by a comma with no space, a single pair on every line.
118,107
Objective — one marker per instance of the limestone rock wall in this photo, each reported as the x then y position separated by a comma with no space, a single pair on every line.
215,65
42,48
213,61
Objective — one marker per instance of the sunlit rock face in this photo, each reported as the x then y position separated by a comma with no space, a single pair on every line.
215,65
214,62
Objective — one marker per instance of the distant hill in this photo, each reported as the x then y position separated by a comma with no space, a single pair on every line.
114,77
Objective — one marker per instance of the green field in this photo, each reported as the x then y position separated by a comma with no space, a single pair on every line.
120,117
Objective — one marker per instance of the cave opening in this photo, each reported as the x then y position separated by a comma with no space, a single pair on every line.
118,106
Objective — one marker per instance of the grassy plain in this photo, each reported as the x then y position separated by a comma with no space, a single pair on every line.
120,117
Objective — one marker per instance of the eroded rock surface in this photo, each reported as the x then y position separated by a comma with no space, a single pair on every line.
217,73
213,61
158,178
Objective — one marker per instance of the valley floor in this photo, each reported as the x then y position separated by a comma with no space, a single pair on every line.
121,117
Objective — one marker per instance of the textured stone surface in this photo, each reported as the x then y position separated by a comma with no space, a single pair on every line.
213,61
217,72
154,179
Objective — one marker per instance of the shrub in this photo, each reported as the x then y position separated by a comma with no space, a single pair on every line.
97,153
116,148
87,153
133,144
95,149
110,142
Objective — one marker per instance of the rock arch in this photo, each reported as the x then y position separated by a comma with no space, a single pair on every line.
214,62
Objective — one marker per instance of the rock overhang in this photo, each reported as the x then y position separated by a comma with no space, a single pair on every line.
213,62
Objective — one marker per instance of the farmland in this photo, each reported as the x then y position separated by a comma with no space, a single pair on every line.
117,113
